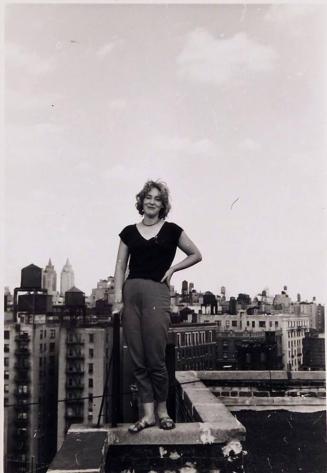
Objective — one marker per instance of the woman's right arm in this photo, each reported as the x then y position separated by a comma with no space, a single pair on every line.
120,270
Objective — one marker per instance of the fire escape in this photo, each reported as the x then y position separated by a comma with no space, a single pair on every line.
74,378
22,395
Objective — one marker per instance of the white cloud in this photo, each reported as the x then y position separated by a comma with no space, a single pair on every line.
21,105
105,50
248,144
119,172
217,60
28,61
117,104
46,128
203,147
285,14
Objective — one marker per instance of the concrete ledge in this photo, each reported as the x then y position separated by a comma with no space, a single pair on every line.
205,407
275,401
260,375
85,449
82,452
194,433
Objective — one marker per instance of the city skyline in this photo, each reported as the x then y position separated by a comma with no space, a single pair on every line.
228,292
223,102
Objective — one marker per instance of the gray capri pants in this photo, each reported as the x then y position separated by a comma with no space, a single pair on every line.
146,320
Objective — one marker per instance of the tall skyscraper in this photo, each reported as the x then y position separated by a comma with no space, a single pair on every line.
49,278
184,287
66,278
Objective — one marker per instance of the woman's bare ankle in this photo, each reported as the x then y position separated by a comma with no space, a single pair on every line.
162,409
148,412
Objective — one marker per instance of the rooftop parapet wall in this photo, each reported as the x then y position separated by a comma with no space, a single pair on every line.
206,408
87,449
282,375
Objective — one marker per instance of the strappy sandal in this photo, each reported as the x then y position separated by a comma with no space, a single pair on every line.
140,425
166,423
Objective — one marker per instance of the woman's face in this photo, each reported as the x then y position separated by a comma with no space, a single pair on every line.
152,203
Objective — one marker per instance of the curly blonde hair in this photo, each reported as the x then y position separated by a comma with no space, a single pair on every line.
164,194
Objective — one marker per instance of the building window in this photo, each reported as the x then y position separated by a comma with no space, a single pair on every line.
248,323
90,368
91,352
253,323
91,337
52,347
7,334
234,323
262,323
178,339
270,324
6,361
227,324
90,382
276,323
52,333
6,348
6,373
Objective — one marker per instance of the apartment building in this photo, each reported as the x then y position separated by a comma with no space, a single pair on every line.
293,328
83,364
30,376
195,345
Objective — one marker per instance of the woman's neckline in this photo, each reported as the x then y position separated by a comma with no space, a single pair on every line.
154,236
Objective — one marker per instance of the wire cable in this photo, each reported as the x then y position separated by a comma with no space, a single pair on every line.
105,387
127,393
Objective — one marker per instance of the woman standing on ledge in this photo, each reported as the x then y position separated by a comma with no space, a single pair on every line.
144,298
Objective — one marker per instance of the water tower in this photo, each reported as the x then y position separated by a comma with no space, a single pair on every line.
36,301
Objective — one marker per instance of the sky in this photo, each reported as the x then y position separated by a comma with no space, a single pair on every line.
224,103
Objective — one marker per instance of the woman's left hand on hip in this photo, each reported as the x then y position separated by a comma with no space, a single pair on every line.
167,276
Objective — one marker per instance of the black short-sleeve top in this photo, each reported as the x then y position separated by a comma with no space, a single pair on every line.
150,259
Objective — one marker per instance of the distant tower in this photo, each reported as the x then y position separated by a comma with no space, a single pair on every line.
184,287
49,278
223,291
285,288
190,287
66,278
299,298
